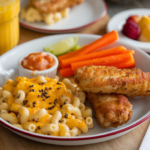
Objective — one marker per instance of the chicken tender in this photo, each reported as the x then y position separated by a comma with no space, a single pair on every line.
111,110
107,80
51,6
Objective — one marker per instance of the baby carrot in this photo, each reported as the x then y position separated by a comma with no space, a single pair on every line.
104,61
130,63
113,51
66,72
106,39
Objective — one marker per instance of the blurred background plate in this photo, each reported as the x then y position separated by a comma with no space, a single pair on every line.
81,16
117,22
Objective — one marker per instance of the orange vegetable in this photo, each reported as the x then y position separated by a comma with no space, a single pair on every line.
101,42
66,72
104,61
117,50
130,63
68,55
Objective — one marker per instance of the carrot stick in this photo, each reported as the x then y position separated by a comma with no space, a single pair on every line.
104,61
130,63
123,52
101,42
117,50
68,55
66,72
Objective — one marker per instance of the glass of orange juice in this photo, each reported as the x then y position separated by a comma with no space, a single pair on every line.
9,24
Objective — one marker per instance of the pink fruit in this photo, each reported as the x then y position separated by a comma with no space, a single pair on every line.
131,30
134,18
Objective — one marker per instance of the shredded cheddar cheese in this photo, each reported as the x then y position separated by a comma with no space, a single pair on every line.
41,101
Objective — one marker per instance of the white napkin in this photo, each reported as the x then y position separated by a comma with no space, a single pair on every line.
146,141
5,74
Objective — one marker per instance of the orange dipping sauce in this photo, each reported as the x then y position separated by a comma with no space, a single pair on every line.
38,61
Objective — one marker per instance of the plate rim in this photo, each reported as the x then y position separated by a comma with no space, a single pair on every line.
142,45
89,137
35,135
66,30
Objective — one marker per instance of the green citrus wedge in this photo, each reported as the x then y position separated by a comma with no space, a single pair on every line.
63,46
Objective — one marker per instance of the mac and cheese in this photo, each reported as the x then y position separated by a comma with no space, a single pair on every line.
45,106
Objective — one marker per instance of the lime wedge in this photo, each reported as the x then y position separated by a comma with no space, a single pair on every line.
63,46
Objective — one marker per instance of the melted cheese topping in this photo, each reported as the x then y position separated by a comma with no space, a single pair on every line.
42,95
37,95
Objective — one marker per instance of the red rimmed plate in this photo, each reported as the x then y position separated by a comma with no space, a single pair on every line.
80,17
141,105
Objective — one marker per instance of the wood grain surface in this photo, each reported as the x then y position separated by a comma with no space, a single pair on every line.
130,141
114,8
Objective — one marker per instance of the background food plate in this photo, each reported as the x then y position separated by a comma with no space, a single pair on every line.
81,16
141,105
117,22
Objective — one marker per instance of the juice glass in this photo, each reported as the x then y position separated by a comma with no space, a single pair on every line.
9,24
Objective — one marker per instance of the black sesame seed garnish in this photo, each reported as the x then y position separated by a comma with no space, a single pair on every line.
60,121
43,99
55,101
31,85
50,88
50,103
39,127
58,83
61,106
25,101
50,108
64,103
66,115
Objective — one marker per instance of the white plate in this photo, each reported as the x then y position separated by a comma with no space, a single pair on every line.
141,105
117,22
81,16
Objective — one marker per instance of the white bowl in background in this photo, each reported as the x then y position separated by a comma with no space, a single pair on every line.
117,22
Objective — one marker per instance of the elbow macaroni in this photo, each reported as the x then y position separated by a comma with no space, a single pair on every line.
43,105
31,14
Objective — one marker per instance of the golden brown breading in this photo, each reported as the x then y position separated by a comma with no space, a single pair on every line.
48,6
71,3
110,110
102,79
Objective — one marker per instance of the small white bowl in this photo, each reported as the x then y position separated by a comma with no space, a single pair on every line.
117,22
51,72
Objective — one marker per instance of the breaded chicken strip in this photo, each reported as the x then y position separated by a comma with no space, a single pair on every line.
50,6
110,110
102,79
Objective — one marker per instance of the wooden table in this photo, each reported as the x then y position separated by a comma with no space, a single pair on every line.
114,8
130,141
